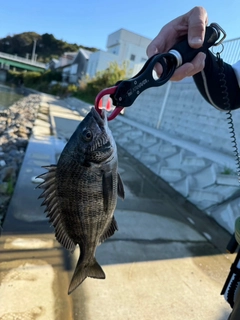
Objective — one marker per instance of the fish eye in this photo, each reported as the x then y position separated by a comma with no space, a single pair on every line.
87,135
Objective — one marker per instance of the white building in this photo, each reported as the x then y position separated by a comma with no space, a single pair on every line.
122,45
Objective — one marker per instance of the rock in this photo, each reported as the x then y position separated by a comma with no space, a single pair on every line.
3,200
2,163
22,130
15,129
3,187
8,173
21,143
37,180
29,124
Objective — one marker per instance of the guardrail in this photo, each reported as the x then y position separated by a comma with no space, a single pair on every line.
23,60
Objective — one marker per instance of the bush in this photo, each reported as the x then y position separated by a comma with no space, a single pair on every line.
87,90
14,77
72,88
57,90
104,79
35,80
49,76
31,79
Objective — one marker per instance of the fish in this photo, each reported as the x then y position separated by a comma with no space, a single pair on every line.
80,193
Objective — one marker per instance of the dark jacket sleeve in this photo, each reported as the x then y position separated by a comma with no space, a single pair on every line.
218,84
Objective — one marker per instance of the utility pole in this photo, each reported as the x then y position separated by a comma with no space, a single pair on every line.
34,49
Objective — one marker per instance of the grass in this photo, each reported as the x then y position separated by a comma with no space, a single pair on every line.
10,187
84,96
227,171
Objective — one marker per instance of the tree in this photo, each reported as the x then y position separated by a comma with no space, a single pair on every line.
47,45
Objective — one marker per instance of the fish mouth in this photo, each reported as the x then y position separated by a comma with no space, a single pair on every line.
107,147
100,119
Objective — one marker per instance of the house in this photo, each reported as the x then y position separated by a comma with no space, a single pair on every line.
53,64
73,65
122,45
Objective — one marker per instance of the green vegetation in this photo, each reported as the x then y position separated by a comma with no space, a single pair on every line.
35,80
227,171
89,88
10,187
86,91
47,46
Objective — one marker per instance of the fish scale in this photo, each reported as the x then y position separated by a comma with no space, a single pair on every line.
81,193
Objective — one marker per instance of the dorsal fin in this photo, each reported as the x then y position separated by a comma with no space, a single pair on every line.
52,207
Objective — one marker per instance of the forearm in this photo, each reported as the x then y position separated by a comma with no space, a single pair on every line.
213,81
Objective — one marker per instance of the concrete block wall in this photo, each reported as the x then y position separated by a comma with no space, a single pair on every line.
186,167
145,109
181,138
187,144
186,115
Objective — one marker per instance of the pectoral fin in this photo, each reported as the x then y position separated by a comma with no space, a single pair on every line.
107,187
121,192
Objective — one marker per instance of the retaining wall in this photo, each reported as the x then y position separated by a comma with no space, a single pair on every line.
180,137
185,141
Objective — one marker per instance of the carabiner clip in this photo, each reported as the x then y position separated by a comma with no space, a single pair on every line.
103,93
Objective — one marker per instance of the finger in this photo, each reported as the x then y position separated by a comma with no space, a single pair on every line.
163,41
197,21
159,69
190,68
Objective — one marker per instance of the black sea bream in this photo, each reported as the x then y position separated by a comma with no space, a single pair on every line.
81,193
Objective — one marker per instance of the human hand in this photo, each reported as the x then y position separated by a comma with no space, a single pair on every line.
193,23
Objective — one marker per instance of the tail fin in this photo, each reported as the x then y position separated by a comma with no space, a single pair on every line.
93,270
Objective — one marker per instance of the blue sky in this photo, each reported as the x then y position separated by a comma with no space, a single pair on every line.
89,22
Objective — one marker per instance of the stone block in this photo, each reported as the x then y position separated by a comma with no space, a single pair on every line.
227,179
225,216
225,191
198,195
170,174
132,148
175,160
134,134
206,176
183,186
167,149
122,140
193,161
148,159
147,140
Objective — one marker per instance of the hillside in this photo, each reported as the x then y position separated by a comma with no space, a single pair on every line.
47,46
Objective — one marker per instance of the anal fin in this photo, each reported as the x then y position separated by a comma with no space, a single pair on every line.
110,231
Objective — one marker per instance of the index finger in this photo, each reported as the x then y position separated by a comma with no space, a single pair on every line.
197,21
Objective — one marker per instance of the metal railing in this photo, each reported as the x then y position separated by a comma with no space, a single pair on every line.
22,60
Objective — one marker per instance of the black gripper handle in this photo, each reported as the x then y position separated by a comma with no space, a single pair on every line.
184,53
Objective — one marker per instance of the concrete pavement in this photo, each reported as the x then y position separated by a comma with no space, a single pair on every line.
167,261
